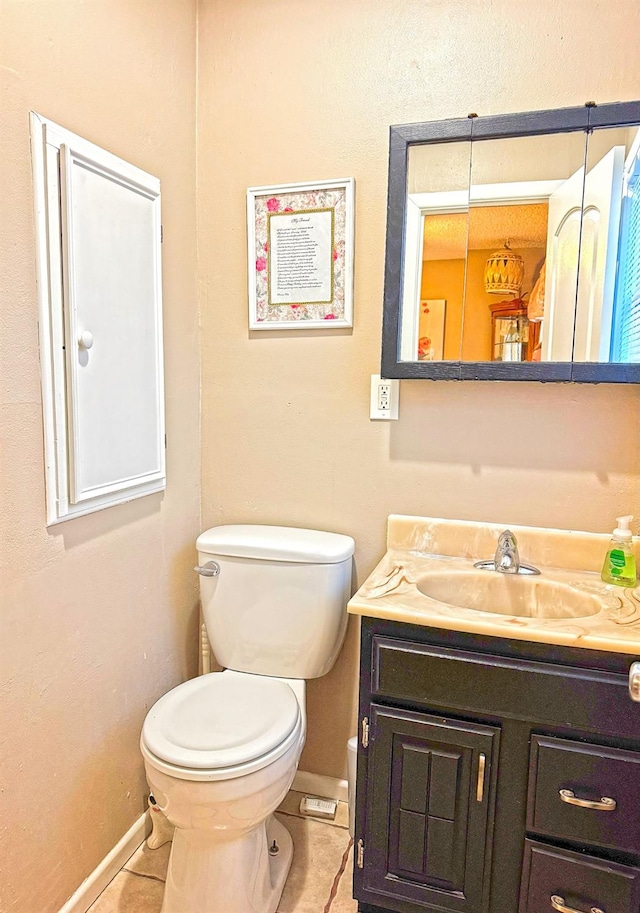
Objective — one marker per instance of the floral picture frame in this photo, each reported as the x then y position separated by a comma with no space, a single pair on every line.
300,255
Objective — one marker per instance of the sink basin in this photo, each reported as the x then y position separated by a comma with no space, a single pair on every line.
507,594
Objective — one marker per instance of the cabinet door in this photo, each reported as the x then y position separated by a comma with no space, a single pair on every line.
430,798
100,295
112,287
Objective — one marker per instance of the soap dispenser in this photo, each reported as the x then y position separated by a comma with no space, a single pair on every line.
620,563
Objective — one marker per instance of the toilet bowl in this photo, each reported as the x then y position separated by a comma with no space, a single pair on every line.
221,751
220,754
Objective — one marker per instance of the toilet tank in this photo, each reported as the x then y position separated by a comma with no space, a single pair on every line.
278,605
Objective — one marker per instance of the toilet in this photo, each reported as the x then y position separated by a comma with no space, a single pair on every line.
221,750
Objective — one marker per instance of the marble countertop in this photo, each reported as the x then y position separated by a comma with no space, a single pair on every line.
418,547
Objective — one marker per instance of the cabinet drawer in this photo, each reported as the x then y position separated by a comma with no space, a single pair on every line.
585,773
577,882
468,682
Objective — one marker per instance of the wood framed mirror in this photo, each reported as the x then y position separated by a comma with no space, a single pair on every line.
533,215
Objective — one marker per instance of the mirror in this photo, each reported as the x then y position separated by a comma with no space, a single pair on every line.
607,324
513,247
437,225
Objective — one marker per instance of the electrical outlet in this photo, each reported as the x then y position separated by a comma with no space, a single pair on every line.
385,395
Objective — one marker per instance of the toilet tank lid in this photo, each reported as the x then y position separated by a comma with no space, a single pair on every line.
276,543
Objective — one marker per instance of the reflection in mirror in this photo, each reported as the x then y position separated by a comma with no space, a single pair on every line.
437,216
492,240
524,236
608,310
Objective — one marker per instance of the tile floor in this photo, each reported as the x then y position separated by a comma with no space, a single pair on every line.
319,880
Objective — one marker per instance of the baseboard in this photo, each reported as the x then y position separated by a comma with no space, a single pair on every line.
106,871
319,785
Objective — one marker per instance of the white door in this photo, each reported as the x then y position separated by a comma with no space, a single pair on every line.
598,255
563,248
112,353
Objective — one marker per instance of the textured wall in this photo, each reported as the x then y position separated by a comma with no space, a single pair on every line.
98,614
295,91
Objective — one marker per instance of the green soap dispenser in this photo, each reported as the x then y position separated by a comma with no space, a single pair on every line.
620,563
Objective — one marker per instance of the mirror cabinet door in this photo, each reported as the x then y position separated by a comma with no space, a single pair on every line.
607,330
436,232
522,260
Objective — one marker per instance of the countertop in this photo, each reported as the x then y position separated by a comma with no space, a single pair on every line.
417,546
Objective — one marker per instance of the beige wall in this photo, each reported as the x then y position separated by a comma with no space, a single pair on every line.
295,91
97,616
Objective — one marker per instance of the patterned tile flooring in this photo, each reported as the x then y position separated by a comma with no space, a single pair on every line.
319,880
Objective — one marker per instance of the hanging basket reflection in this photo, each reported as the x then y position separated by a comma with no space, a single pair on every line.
504,272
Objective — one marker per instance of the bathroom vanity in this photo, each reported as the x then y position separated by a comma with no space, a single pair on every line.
499,752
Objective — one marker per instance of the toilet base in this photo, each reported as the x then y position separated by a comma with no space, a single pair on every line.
213,876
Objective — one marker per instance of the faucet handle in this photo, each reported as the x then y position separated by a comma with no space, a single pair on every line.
507,558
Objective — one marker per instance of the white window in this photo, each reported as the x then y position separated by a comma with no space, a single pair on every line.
626,342
99,285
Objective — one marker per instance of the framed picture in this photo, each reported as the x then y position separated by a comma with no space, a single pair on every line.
300,244
431,329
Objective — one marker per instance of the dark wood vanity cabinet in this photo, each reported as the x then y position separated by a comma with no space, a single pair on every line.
494,776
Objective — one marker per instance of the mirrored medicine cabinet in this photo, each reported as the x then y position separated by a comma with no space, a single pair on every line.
513,247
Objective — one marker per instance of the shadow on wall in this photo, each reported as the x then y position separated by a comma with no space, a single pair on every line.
101,523
187,558
179,578
108,786
519,425
331,722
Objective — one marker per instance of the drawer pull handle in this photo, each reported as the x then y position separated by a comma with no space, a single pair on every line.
601,805
634,681
558,904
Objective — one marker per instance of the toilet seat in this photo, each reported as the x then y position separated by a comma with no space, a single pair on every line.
221,725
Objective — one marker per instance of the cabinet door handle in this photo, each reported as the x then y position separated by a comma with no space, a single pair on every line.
557,903
482,763
605,804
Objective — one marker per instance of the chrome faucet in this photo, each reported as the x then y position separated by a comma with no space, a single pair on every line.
507,557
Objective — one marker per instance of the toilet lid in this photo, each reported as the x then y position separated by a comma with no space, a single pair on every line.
221,719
